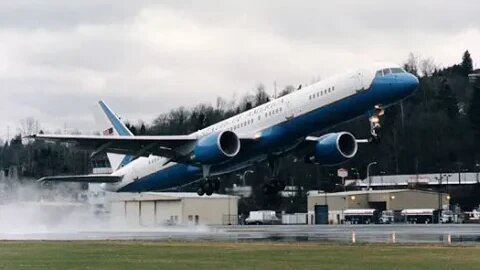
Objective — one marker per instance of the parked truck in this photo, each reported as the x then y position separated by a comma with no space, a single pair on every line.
262,217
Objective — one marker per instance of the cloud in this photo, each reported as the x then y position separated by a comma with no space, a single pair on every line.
146,57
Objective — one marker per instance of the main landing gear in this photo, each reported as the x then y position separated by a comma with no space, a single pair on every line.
273,184
208,186
375,126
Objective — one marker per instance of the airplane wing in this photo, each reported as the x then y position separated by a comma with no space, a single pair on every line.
94,178
167,146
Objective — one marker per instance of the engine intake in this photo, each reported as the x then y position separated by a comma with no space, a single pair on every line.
335,148
216,147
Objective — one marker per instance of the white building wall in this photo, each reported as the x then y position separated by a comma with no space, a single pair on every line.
211,211
158,209
168,212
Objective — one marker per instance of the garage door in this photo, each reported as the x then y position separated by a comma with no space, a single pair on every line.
147,214
132,213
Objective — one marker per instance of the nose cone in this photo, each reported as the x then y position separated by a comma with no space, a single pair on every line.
407,83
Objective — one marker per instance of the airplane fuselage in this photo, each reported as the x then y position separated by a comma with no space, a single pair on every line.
280,125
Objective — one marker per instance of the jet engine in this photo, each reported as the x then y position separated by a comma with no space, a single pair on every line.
334,148
216,147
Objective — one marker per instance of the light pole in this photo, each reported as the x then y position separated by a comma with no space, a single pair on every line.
368,173
244,174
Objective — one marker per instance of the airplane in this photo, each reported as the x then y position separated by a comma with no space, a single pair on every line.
267,132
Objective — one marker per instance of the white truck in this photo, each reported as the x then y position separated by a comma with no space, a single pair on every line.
387,217
262,217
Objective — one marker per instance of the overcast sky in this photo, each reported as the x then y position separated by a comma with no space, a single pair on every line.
57,58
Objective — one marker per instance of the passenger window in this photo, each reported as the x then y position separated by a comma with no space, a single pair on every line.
379,73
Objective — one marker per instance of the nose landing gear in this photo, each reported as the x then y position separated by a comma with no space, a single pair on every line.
375,125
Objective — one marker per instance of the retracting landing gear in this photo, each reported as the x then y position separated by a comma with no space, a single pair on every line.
208,186
375,126
273,184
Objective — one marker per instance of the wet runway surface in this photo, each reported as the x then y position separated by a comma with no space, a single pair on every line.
462,234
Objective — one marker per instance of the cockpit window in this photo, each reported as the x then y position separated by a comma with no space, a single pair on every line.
397,70
387,71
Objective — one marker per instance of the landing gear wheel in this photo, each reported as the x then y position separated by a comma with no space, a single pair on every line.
375,140
208,187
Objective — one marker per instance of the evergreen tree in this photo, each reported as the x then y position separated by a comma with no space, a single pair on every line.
467,64
143,129
447,101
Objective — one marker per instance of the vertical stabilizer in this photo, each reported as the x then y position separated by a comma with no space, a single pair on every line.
110,125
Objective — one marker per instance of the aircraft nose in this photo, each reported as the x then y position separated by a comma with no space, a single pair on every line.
408,83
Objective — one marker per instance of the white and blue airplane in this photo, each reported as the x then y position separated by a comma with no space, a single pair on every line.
264,133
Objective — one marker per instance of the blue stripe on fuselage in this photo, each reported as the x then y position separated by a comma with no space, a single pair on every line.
283,135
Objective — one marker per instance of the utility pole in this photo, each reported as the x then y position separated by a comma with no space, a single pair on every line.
368,173
459,164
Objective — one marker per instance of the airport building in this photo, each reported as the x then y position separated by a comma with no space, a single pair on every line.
331,208
151,209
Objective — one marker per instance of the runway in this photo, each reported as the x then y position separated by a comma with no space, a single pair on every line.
461,234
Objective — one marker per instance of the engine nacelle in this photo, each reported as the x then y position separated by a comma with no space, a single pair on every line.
216,148
335,148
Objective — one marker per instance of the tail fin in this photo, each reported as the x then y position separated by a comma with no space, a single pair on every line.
110,124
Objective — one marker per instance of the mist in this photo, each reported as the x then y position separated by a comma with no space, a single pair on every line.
31,210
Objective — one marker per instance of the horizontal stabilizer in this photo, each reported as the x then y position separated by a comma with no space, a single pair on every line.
92,178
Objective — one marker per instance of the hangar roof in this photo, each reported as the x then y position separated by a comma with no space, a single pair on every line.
163,196
362,192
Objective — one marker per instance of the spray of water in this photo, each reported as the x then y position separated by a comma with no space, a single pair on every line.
30,211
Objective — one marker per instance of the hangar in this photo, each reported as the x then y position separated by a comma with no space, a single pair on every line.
330,207
151,209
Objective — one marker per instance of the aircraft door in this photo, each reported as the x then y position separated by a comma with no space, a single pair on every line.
289,108
359,81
